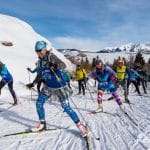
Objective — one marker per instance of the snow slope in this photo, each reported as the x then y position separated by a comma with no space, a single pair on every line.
21,54
115,130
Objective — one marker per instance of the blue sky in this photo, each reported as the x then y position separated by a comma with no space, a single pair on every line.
84,24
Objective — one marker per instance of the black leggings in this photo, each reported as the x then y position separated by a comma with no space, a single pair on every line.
135,84
10,87
81,85
39,85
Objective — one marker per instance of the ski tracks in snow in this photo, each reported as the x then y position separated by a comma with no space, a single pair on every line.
115,130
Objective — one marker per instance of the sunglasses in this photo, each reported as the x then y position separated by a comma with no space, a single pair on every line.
39,51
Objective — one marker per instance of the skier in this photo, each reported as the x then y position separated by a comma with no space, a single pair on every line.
132,78
142,78
81,76
54,83
106,78
7,79
36,70
121,71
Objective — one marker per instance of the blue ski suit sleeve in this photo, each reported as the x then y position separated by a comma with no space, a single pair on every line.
6,76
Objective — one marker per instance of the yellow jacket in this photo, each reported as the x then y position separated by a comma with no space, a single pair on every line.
80,74
121,72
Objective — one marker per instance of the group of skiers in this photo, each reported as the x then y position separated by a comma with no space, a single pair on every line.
56,80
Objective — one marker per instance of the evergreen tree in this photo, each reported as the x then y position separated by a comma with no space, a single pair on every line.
139,60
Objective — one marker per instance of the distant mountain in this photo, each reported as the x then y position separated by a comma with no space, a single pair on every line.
105,54
73,52
133,48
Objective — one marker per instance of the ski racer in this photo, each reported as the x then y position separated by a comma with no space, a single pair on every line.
106,78
54,83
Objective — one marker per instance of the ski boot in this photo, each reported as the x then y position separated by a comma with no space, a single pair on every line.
145,92
40,127
99,109
83,129
127,100
16,101
122,107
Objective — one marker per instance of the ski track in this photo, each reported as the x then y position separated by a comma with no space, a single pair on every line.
115,130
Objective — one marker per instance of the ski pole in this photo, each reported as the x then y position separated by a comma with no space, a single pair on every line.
97,138
90,92
29,82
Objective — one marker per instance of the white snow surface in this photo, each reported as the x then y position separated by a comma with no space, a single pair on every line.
115,130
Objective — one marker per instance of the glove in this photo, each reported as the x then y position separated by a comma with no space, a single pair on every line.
29,85
51,65
113,79
29,69
86,78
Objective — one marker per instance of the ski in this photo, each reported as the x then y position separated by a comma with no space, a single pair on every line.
3,103
29,132
7,108
130,103
145,95
87,141
95,112
101,112
129,117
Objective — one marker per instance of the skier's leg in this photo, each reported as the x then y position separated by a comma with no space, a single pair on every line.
118,100
71,113
116,96
99,99
2,84
42,98
39,85
10,87
79,86
143,85
68,82
136,86
128,84
124,85
83,86
62,95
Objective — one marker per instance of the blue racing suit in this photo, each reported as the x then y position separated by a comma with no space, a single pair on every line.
54,83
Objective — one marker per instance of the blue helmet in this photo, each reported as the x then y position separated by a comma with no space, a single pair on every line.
40,45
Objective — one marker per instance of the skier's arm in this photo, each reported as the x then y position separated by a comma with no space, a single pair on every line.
36,80
32,71
54,60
